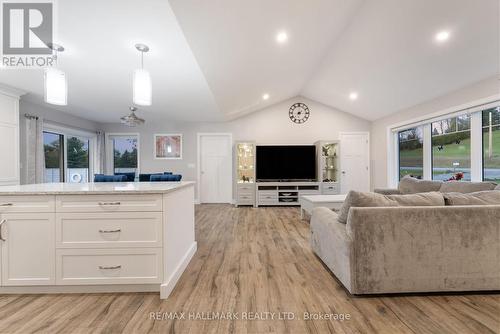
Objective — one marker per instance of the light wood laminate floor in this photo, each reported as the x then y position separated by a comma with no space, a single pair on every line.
251,260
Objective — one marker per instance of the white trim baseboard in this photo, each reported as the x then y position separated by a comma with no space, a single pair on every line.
79,288
169,285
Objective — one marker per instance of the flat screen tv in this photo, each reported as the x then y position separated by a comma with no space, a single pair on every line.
286,163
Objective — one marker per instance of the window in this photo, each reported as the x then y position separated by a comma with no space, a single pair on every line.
67,156
451,148
124,150
411,155
53,144
491,144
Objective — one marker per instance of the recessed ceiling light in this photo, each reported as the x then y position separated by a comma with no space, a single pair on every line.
442,36
353,96
281,37
265,97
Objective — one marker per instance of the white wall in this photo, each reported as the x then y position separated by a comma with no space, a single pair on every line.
49,115
379,144
268,126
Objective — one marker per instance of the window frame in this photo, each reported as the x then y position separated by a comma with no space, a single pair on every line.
70,132
474,109
398,153
482,139
109,150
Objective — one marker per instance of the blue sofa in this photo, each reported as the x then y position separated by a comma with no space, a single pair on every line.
110,178
147,177
130,176
166,178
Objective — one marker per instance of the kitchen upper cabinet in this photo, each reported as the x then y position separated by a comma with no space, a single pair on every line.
9,139
27,248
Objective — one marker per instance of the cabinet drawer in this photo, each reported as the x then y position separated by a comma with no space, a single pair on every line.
20,204
330,189
108,266
246,202
245,196
246,188
109,230
268,202
108,203
270,196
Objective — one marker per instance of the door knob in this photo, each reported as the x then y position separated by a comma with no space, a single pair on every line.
343,172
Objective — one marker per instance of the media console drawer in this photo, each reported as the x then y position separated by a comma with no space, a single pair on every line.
108,266
108,203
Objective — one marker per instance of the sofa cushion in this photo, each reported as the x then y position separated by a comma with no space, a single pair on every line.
367,199
490,197
466,187
410,185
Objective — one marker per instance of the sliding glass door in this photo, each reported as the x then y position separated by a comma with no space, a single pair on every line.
78,163
53,145
67,157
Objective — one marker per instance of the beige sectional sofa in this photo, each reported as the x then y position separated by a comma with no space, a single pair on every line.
399,248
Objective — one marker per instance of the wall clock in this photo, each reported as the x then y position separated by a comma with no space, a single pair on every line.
299,113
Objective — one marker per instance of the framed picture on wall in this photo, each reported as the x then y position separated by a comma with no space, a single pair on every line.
168,146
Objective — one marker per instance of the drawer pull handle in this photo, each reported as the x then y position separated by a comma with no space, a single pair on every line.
1,224
110,231
7,204
109,203
110,268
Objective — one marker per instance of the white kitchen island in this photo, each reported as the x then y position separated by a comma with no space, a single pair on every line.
95,237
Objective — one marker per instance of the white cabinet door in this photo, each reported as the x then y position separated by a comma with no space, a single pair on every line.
9,151
9,140
28,249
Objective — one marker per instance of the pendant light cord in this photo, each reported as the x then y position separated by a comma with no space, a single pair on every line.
142,59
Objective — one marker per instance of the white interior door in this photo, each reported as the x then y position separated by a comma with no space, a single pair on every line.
354,162
215,168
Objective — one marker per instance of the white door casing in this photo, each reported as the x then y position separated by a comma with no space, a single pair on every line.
215,167
354,161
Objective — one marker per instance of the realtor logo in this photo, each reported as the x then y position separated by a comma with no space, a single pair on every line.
27,33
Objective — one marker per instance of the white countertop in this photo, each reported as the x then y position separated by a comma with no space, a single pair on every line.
103,188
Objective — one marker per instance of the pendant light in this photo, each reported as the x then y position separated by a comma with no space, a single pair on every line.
142,81
131,119
56,86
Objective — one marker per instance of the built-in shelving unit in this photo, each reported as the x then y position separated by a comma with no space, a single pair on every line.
284,193
328,166
245,173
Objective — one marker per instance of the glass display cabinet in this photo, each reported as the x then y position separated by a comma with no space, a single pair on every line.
245,173
328,166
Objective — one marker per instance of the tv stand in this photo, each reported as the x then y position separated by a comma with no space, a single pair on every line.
284,193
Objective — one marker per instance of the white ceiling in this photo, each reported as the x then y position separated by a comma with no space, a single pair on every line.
99,37
221,56
390,57
235,45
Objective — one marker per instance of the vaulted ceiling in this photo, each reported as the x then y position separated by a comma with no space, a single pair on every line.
213,60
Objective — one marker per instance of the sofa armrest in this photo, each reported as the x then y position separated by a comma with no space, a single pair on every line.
387,191
417,249
329,240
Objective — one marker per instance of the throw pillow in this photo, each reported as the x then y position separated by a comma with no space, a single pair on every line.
478,198
410,185
466,187
368,199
